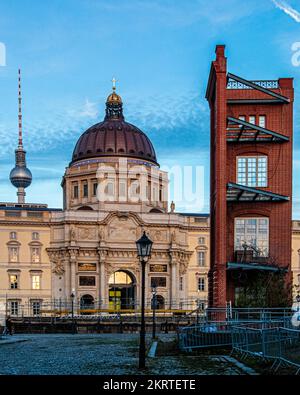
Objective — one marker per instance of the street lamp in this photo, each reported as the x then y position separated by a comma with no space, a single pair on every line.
153,310
144,246
72,301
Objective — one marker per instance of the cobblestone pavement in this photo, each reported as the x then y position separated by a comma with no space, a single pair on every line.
98,354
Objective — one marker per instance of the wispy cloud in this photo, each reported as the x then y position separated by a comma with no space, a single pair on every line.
288,9
89,110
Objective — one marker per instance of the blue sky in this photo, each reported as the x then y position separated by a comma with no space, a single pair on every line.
159,51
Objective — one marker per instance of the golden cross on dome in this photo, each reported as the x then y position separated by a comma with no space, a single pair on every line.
114,83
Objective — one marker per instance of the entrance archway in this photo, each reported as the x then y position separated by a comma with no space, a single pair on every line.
86,303
122,285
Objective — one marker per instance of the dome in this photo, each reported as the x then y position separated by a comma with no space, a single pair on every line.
20,177
114,137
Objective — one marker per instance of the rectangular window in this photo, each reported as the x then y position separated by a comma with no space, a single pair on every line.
13,254
252,119
158,282
75,192
262,121
87,281
36,308
13,280
85,190
122,189
252,233
110,189
14,308
35,236
201,258
35,254
36,282
13,235
201,284
242,117
201,240
95,186
252,171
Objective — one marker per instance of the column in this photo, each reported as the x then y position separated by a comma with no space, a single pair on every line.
174,286
103,293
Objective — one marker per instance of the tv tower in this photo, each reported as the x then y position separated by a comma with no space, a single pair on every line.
20,176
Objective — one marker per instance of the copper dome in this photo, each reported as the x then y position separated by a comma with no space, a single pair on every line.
114,137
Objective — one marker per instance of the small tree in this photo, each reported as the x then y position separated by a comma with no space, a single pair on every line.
266,290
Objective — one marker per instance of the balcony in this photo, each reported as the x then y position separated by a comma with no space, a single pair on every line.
248,259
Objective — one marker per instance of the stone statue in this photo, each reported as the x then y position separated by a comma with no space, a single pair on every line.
72,234
172,206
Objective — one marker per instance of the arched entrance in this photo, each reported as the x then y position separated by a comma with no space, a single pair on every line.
122,286
86,303
160,302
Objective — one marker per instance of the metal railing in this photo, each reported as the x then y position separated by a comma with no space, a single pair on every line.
281,345
267,84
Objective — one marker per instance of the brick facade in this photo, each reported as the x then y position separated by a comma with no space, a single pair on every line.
236,102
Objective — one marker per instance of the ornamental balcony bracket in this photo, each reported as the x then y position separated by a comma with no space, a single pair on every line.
240,131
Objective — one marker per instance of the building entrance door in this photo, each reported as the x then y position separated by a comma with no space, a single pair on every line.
122,287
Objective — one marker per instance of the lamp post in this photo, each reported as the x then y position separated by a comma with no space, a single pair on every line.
153,311
72,301
144,246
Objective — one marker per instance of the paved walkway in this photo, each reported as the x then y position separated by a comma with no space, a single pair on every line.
98,354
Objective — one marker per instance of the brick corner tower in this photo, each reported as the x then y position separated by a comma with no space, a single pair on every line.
251,129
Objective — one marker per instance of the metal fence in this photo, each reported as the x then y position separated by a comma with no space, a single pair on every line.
279,344
220,333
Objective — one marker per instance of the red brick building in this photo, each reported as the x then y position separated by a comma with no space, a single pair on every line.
251,179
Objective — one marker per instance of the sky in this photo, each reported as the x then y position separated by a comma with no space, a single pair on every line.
159,51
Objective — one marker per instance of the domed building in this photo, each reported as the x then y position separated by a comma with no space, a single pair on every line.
113,191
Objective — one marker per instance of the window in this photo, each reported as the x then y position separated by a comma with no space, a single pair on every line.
75,192
95,186
14,308
122,189
85,190
13,280
252,119
35,236
201,258
201,284
36,282
262,121
13,235
158,282
110,189
201,240
252,171
242,117
13,254
180,283
36,308
87,281
254,233
35,254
